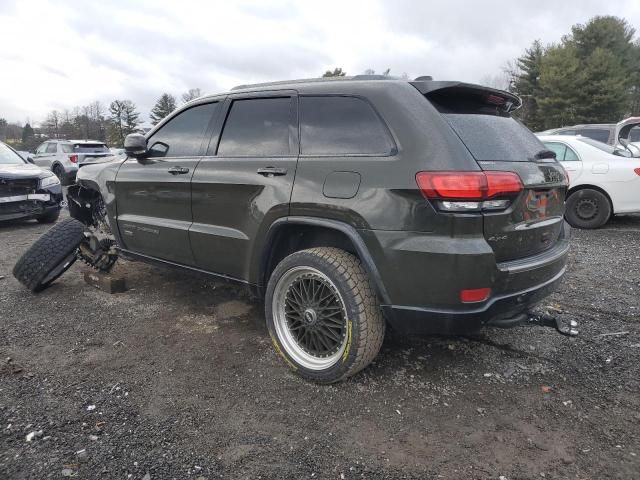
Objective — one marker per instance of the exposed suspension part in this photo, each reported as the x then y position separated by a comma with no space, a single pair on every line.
98,248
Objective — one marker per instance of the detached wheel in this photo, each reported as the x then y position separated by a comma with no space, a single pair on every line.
323,314
50,256
588,208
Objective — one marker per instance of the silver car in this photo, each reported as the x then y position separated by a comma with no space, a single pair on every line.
64,157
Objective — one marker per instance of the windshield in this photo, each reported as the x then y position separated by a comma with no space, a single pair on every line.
9,157
90,148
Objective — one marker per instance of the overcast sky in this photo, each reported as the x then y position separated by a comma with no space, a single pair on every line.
65,53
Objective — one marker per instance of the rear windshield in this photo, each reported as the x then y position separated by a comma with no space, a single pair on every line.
488,131
605,147
90,148
492,137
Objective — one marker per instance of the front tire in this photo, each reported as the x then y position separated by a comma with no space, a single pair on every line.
50,256
588,208
323,315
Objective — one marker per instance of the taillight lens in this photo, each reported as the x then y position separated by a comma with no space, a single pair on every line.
73,158
637,170
474,295
470,191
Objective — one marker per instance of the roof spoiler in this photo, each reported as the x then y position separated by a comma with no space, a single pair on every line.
500,98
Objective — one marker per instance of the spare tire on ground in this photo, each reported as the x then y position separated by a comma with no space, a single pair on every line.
50,256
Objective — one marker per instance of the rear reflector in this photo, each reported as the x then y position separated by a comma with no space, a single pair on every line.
474,295
73,158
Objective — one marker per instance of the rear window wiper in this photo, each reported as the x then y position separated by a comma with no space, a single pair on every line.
545,154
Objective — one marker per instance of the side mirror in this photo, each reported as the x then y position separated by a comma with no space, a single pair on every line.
30,160
135,145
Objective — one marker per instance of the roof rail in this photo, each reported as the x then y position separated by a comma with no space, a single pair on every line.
313,80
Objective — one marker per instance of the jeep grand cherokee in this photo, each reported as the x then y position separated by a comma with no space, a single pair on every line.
349,205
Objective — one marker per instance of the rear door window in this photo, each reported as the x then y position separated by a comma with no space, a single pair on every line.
51,148
182,135
257,127
341,126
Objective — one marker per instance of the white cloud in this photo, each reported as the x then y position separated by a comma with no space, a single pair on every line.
71,52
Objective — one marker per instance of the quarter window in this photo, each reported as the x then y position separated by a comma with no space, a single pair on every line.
563,152
570,155
182,135
257,127
341,126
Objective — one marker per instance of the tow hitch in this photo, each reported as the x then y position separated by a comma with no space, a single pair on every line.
570,328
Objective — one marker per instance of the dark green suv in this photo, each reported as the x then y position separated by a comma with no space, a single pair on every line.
349,205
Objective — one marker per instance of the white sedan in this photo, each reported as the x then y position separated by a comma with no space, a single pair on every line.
603,180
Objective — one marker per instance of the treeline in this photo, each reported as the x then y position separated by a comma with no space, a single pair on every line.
591,76
96,121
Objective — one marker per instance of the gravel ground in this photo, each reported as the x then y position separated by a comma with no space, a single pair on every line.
176,378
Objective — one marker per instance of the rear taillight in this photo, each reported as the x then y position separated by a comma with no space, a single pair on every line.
470,191
73,158
637,170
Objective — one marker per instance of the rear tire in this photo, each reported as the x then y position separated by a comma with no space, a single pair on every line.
323,315
50,256
588,208
60,173
49,217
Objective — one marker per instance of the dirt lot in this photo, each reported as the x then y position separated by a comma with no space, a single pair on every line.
176,378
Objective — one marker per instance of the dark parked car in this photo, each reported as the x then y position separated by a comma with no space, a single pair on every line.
27,191
348,205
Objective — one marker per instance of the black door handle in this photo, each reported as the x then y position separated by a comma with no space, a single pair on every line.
178,170
272,171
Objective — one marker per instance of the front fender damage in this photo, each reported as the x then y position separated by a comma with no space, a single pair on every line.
98,249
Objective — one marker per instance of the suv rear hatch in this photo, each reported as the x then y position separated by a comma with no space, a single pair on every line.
522,220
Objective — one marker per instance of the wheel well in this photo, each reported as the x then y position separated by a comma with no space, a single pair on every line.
591,187
81,203
295,237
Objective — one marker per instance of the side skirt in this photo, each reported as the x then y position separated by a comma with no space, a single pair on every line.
129,255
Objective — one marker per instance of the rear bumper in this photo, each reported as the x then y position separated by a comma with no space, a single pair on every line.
424,274
420,320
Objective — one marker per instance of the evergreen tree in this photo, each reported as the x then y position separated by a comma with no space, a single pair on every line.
163,107
28,137
337,72
526,84
591,76
123,120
